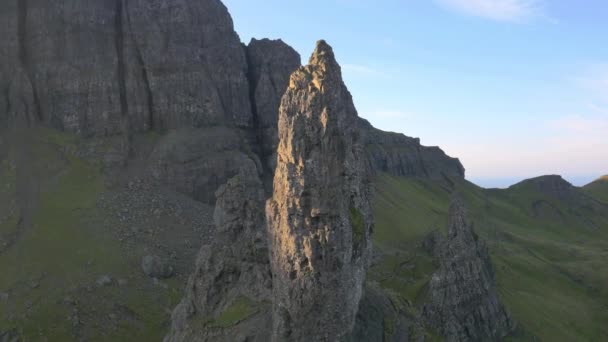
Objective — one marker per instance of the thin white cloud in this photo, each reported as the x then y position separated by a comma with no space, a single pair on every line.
362,69
391,114
598,108
574,145
593,83
594,80
499,10
584,127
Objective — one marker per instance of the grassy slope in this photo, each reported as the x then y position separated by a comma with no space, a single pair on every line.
65,251
598,189
551,274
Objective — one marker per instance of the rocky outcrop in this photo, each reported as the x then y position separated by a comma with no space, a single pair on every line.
319,218
156,267
234,266
464,304
102,67
381,319
271,62
399,155
197,161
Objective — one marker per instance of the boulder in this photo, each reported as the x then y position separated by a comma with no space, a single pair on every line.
156,267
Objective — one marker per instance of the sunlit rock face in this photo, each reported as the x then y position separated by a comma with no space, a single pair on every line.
319,218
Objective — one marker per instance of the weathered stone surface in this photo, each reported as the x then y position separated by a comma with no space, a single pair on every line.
196,66
271,63
234,265
104,280
380,319
115,66
400,155
197,162
464,304
319,218
10,336
156,267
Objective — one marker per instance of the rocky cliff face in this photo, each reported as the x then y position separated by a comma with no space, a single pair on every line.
271,62
399,155
464,304
117,67
319,218
114,66
233,268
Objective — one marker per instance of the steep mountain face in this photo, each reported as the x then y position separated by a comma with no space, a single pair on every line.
271,62
399,155
464,303
114,66
319,218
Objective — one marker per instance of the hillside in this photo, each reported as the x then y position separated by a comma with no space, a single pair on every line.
598,189
71,258
547,247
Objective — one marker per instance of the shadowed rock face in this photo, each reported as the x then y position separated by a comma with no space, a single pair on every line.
103,67
399,155
271,62
319,217
233,266
464,304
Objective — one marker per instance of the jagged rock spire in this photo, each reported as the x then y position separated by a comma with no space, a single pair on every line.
319,218
464,304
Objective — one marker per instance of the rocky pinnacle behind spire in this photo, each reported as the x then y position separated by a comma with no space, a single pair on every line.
463,300
457,216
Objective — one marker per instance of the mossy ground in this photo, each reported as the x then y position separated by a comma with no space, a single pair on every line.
242,308
551,274
598,189
63,253
357,222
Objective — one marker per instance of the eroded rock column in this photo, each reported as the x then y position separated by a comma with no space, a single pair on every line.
319,218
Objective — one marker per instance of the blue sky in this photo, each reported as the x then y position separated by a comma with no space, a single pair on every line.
514,88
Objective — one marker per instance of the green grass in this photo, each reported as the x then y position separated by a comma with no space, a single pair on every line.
241,309
67,248
598,189
357,222
551,274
